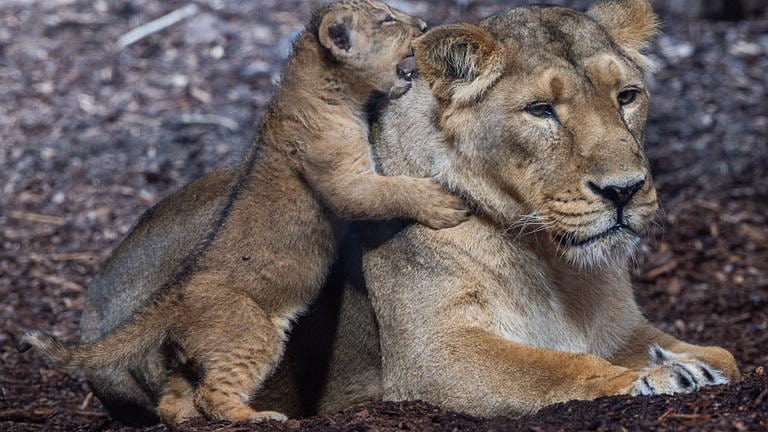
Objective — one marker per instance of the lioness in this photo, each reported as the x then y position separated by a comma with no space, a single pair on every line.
212,321
537,116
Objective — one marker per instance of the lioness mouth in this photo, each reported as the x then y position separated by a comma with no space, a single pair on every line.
568,240
406,67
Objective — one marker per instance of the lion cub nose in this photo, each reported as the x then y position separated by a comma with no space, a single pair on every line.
422,25
617,195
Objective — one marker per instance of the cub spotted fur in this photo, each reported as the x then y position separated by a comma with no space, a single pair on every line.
214,327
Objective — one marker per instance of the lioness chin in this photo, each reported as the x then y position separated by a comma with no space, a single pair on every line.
244,251
537,117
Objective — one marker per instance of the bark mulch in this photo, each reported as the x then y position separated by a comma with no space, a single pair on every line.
92,134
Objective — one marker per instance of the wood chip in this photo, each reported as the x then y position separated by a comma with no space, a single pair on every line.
86,401
74,256
58,281
63,257
38,415
156,25
38,218
653,273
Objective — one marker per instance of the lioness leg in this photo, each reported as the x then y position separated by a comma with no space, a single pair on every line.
237,346
692,365
475,371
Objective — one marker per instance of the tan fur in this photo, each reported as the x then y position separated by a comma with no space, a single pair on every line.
631,24
257,249
530,302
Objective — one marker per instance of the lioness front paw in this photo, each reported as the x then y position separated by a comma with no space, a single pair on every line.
437,208
676,373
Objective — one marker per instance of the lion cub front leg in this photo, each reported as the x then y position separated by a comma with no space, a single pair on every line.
351,189
370,196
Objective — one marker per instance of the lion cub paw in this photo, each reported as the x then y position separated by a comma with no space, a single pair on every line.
437,208
675,373
269,415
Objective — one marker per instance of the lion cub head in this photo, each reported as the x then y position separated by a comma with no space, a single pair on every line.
551,120
371,42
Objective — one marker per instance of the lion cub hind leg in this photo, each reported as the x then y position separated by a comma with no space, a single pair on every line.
237,348
176,404
225,392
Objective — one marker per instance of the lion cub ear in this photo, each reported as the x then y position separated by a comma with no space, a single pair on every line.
630,23
336,33
459,61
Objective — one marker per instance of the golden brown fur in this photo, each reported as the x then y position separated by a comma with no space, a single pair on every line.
213,326
537,116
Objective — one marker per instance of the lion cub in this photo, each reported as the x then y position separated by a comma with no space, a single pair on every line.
226,311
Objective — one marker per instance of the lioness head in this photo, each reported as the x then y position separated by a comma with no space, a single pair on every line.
545,108
371,40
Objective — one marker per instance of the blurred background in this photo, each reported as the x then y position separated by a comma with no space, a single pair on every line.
94,130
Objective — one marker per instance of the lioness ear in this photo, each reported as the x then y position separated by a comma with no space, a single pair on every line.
336,32
459,61
630,23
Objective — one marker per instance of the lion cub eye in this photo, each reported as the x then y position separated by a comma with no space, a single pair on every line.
541,110
627,96
389,18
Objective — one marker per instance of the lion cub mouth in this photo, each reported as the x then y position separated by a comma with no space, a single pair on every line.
406,68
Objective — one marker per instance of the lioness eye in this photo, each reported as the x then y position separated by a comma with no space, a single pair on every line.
390,18
627,96
540,109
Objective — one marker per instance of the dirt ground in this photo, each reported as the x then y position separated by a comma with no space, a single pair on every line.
92,134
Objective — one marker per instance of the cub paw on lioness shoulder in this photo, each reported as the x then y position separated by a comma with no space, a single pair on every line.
435,207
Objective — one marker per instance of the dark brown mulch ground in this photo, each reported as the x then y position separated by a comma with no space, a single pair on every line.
91,135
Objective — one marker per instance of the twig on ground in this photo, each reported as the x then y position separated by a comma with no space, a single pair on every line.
156,25
690,416
63,257
39,415
58,281
86,401
664,416
206,119
39,218
82,413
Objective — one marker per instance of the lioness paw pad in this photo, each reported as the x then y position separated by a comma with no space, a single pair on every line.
675,373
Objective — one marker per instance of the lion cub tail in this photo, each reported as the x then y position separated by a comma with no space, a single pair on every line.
49,345
124,345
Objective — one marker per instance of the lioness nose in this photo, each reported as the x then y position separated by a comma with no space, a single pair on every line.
618,195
